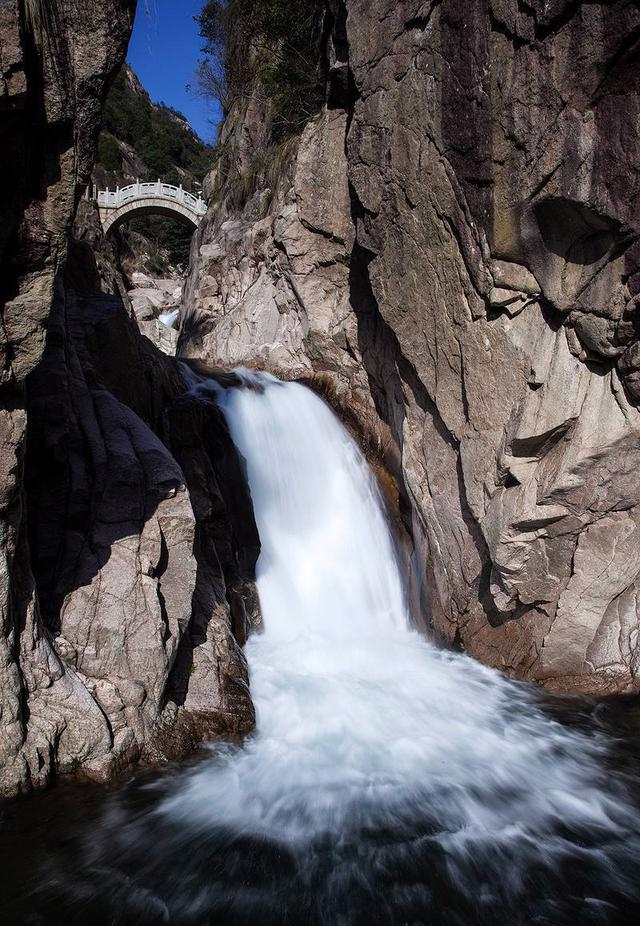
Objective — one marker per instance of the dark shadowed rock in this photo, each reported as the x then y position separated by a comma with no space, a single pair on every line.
56,60
142,563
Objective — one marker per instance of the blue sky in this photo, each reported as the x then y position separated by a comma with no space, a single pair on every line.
164,51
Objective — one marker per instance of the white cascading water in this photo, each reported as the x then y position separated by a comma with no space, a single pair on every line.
388,783
362,725
169,318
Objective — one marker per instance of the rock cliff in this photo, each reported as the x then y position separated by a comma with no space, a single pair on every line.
127,538
56,60
453,241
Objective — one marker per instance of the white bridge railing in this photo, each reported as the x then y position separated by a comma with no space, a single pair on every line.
113,199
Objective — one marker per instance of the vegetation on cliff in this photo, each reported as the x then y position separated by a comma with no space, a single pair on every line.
144,140
159,138
274,41
264,64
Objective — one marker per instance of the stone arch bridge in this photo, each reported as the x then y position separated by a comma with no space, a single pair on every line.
156,198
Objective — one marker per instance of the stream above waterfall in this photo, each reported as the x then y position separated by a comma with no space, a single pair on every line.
388,783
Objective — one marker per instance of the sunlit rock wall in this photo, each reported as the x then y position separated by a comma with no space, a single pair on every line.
453,240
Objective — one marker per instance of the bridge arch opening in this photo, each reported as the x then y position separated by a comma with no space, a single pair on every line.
157,244
137,211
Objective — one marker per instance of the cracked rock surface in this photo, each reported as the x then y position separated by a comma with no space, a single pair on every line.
453,242
125,579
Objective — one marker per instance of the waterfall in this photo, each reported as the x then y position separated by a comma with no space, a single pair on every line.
388,783
327,565
364,727
169,318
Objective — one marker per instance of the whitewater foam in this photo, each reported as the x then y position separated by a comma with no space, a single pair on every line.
388,783
361,723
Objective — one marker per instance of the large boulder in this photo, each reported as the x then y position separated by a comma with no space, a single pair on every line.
139,593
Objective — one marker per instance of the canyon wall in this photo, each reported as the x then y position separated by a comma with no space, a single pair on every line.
447,249
127,540
56,60
452,243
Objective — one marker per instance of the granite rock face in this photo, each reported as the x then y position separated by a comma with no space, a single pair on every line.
111,537
56,60
135,602
453,240
125,583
